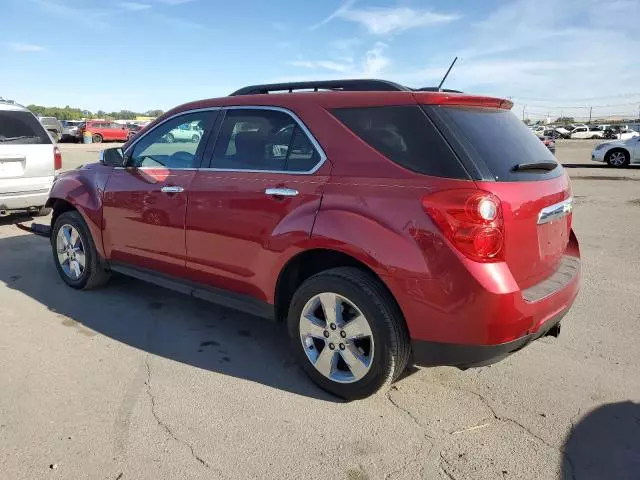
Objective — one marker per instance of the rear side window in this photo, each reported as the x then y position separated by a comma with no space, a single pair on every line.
406,136
495,140
263,140
20,127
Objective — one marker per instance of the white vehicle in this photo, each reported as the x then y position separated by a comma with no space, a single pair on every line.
29,161
618,153
187,132
625,133
587,132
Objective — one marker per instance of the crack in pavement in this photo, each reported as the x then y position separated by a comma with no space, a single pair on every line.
166,427
443,469
426,439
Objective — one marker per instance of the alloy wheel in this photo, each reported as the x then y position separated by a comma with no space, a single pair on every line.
617,158
71,253
336,338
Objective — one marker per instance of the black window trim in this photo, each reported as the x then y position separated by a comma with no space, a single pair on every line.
202,147
300,124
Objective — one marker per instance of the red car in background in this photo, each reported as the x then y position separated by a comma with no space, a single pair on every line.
105,131
384,225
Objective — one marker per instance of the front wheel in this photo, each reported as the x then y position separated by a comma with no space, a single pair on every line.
97,138
75,254
347,333
169,138
617,158
195,139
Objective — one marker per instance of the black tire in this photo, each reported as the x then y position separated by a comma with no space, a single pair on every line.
169,138
609,158
41,212
195,139
390,335
94,274
96,138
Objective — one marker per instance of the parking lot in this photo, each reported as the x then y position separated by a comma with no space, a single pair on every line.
136,382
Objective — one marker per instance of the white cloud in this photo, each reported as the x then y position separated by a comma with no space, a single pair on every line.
24,47
375,61
336,13
134,6
387,20
175,2
322,65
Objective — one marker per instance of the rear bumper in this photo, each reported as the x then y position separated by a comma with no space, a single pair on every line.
24,193
23,201
429,354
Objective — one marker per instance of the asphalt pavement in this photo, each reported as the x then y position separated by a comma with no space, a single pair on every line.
132,381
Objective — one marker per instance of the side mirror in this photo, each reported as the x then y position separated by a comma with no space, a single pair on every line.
112,157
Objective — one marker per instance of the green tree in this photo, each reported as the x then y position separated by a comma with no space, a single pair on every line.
565,120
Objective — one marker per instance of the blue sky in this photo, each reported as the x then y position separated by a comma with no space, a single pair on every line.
548,55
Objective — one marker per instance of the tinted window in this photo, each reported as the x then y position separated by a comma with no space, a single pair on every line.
158,149
19,127
405,135
252,139
498,139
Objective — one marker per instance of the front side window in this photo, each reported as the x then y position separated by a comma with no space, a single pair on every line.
263,140
161,147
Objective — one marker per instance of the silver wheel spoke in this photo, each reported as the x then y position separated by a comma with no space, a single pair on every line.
331,307
355,361
66,235
81,259
357,327
326,362
312,327
73,237
75,268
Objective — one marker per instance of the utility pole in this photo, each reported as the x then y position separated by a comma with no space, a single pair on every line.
590,110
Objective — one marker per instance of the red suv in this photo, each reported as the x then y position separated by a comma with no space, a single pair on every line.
384,225
105,131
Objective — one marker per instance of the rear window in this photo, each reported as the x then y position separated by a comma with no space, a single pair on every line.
19,127
406,136
495,140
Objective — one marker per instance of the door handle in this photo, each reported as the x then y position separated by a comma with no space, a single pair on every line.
281,192
172,189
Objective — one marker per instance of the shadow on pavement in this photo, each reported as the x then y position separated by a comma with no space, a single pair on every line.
157,320
605,444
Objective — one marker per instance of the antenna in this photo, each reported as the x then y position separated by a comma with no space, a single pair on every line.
447,74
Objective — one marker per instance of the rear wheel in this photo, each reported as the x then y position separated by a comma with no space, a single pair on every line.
618,158
75,254
169,138
195,139
41,212
347,333
594,137
96,138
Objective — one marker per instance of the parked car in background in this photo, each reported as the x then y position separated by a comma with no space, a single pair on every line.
188,132
408,226
549,142
53,126
591,132
618,153
620,132
29,161
70,130
105,131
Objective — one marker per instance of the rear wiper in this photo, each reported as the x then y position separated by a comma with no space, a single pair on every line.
23,137
545,166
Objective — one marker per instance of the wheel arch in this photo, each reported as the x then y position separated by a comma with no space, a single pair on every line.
618,149
310,262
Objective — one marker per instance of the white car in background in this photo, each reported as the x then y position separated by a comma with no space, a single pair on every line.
188,132
618,153
585,131
29,161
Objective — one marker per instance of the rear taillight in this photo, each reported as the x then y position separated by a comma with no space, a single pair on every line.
471,220
57,159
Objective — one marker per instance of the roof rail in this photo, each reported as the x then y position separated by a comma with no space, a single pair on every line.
11,102
364,85
436,89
